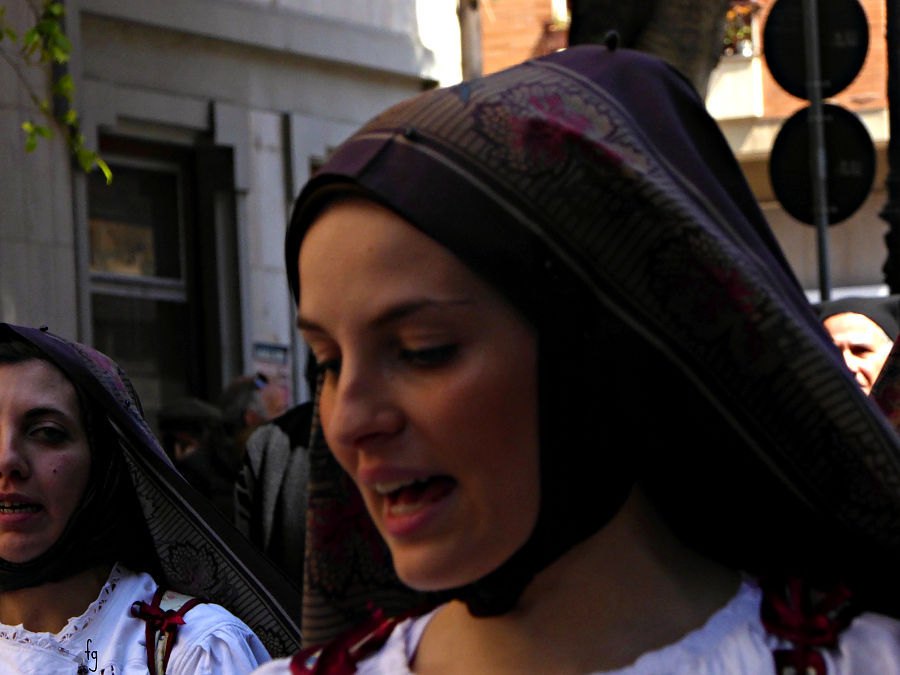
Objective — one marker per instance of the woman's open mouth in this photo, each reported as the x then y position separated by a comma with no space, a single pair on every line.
19,515
408,502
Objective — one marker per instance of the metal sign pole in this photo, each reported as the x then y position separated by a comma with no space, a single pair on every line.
817,158
891,211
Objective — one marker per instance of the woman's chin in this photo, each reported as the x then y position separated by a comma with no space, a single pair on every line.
21,554
456,559
20,558
439,575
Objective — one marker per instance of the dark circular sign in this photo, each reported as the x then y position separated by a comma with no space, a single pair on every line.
843,43
850,164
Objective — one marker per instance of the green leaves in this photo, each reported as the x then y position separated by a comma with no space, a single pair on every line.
87,159
46,38
43,44
7,32
33,131
64,87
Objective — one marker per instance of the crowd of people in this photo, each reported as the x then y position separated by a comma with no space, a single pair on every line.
573,414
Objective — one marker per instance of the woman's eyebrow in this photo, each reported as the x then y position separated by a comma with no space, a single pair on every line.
43,411
406,309
394,313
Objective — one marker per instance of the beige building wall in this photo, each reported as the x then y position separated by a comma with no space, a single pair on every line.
276,83
751,107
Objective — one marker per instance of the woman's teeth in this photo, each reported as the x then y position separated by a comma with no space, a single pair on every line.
403,497
8,507
404,509
385,489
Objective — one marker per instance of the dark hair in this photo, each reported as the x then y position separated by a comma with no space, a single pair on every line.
19,351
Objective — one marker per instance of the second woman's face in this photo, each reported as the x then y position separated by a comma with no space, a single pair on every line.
45,458
430,394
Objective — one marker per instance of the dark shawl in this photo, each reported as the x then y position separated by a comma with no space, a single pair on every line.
592,188
197,551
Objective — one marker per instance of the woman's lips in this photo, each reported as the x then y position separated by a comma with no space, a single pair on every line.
17,510
408,505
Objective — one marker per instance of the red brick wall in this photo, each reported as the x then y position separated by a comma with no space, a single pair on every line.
513,31
866,92
516,30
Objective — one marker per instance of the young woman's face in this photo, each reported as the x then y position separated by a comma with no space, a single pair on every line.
45,458
430,393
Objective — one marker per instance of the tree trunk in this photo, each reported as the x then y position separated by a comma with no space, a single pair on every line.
685,33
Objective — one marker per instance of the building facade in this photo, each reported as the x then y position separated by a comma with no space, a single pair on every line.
211,115
751,108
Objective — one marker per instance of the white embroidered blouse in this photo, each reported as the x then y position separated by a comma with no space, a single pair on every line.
732,642
108,640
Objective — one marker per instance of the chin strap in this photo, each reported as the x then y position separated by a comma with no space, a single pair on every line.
162,616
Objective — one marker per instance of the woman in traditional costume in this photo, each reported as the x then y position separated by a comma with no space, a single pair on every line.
566,372
109,562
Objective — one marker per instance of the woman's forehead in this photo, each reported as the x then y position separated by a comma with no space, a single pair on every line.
363,261
37,383
356,239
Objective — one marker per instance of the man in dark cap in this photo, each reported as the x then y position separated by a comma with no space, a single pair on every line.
186,425
864,330
193,436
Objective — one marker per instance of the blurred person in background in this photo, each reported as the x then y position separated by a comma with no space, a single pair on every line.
247,402
271,489
193,435
188,424
864,330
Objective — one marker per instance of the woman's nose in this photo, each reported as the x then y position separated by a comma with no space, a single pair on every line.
12,461
358,408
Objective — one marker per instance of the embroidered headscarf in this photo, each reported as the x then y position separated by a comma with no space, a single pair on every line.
139,510
676,348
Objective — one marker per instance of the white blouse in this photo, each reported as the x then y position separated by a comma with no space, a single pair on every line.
732,642
107,640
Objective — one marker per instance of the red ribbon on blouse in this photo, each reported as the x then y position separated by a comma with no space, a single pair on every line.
341,656
806,617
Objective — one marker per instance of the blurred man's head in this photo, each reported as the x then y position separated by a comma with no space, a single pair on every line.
249,401
864,330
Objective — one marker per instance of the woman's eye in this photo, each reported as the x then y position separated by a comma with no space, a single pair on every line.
429,357
328,366
49,434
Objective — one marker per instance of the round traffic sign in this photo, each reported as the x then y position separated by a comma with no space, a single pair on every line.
850,164
843,43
